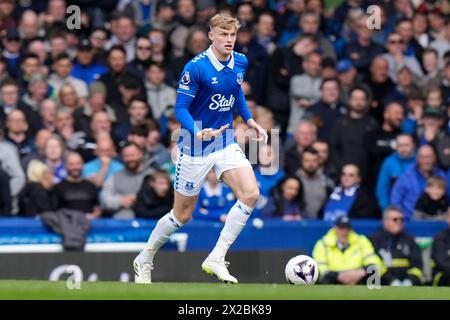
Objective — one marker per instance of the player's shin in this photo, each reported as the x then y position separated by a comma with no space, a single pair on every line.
236,219
165,227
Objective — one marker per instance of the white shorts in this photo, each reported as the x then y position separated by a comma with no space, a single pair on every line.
191,171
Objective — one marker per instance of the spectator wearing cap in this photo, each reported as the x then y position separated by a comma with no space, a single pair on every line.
380,142
62,66
117,74
344,256
143,57
206,9
84,66
363,50
440,254
328,68
346,74
325,112
159,95
96,102
394,166
350,198
12,45
410,185
10,163
396,57
304,89
399,251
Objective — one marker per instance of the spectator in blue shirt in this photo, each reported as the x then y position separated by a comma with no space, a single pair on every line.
214,201
394,166
84,66
409,186
268,173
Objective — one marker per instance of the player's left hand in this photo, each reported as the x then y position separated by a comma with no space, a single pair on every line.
261,134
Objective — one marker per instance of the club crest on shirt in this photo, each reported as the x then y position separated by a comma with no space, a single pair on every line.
240,78
186,78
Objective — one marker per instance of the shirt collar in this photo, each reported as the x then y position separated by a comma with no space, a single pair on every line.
216,63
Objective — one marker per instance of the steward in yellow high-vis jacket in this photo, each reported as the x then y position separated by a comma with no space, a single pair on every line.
345,257
398,250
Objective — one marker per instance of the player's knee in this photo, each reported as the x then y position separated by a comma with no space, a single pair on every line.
183,215
250,197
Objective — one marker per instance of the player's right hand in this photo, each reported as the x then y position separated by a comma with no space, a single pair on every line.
209,133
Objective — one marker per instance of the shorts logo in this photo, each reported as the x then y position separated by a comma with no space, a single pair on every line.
186,78
189,186
240,78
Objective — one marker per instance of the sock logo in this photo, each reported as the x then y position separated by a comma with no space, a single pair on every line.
245,211
173,221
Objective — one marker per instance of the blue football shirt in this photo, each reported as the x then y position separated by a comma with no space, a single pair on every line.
208,92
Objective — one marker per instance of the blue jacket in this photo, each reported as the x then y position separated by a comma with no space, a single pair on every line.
88,73
214,204
392,168
408,188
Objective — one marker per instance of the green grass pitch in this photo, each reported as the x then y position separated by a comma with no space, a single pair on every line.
15,289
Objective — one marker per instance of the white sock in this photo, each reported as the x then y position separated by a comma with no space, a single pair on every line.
165,227
236,219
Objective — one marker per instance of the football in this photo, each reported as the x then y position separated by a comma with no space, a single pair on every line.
302,270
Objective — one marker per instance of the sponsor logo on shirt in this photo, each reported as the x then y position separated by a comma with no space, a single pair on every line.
220,102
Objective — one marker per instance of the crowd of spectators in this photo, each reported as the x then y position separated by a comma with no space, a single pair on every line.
362,110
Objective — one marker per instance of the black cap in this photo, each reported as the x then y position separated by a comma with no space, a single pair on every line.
84,45
433,112
343,222
12,34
